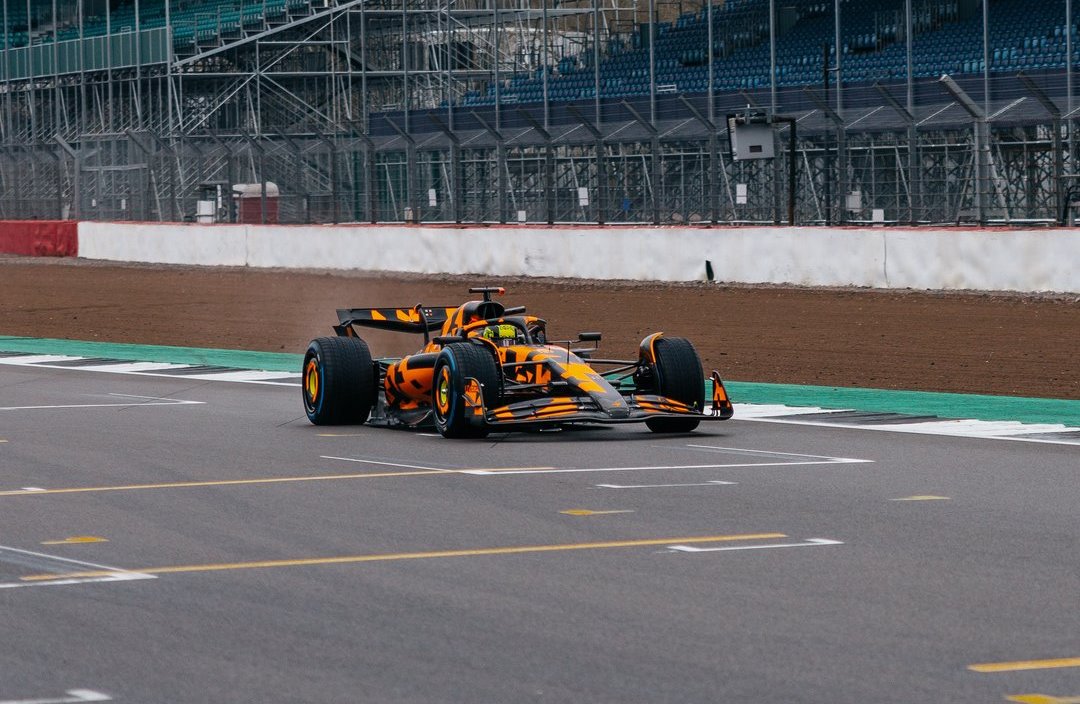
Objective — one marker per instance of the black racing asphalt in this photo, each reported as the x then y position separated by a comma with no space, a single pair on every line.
917,592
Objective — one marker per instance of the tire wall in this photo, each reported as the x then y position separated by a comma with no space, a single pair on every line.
39,238
1013,260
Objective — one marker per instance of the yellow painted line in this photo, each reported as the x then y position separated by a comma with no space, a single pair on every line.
390,557
587,512
223,482
75,539
926,497
1042,699
1025,665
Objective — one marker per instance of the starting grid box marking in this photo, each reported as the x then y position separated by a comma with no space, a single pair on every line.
16,564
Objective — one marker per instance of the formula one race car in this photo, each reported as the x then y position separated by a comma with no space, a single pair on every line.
493,368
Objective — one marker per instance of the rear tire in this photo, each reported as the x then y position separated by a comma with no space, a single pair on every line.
338,381
456,362
677,374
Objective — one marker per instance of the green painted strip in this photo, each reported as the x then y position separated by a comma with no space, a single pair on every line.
945,405
974,406
241,359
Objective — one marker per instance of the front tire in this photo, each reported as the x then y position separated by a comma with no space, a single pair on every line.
338,381
677,375
455,363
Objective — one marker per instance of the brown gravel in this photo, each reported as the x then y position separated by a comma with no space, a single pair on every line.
967,342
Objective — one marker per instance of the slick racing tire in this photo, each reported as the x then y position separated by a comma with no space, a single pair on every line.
677,374
455,363
338,381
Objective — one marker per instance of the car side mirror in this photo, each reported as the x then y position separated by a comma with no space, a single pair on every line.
589,337
445,340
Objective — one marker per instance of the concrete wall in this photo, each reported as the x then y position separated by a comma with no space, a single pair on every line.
1014,260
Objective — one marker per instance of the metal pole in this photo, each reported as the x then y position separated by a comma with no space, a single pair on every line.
654,148
56,79
773,106
369,152
983,153
652,62
986,56
826,188
546,60
792,146
1069,80
168,69
710,90
138,67
334,185
839,44
7,75
772,55
498,78
601,165
262,187
59,185
108,62
32,100
914,187
841,142
909,25
710,113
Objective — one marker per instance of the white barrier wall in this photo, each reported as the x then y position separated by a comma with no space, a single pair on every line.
217,245
1014,260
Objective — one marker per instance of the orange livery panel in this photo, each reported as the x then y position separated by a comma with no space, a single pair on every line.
410,378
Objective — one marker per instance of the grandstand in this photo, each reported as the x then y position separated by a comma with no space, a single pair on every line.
542,111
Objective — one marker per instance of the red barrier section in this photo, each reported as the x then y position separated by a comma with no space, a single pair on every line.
40,238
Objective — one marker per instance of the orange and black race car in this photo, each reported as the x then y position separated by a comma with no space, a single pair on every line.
493,368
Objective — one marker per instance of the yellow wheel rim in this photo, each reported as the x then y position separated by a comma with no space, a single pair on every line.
311,380
442,391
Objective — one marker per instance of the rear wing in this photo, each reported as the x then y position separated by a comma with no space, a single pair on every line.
418,319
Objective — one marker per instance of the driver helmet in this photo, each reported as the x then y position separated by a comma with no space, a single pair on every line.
503,334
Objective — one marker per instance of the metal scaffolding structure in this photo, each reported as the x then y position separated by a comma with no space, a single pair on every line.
357,111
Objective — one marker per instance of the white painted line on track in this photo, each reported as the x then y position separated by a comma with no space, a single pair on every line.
116,574
129,367
504,472
73,697
154,369
143,401
661,486
32,359
244,376
218,377
960,428
764,453
753,411
385,464
810,542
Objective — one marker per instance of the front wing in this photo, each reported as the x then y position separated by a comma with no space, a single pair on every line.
558,410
